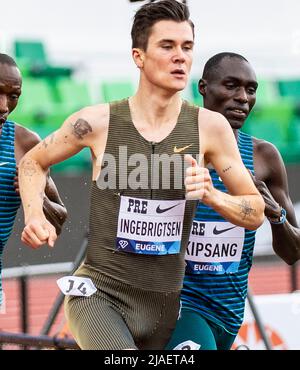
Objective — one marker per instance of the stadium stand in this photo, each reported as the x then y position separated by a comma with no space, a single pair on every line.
51,93
116,90
33,59
289,89
37,106
267,92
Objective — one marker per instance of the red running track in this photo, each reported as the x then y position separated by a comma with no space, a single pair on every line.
265,278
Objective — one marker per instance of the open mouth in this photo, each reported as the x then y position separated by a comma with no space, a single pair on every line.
238,113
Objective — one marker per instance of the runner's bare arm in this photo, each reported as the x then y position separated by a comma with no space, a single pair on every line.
53,206
286,235
77,132
243,205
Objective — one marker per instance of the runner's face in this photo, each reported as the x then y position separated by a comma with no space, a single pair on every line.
168,58
10,90
231,91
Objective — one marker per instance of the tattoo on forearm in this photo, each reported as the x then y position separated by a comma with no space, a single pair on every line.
81,128
29,168
227,169
245,206
48,141
246,209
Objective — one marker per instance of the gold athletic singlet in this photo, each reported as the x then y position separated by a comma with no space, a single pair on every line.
138,278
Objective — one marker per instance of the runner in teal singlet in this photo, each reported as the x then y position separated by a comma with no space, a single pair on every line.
219,254
15,141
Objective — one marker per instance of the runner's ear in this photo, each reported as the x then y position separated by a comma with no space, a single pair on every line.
202,87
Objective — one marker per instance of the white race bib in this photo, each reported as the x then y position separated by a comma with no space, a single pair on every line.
147,226
75,285
214,248
188,345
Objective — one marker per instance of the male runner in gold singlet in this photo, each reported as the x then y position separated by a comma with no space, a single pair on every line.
126,293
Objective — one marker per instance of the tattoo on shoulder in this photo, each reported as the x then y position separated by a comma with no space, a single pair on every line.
246,209
81,128
227,169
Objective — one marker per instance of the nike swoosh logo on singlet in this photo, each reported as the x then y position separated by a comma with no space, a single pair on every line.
3,163
218,232
159,210
179,150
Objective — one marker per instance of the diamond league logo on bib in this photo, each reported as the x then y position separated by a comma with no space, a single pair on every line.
152,227
123,243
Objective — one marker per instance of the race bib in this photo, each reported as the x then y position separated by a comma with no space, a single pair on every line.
188,345
214,248
151,227
75,285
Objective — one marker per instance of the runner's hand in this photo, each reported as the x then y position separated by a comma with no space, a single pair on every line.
38,232
272,208
198,183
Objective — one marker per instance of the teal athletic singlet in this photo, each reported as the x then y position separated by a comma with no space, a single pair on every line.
9,199
218,259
